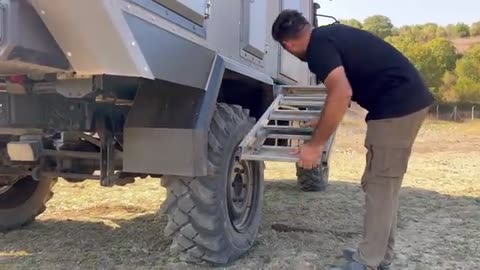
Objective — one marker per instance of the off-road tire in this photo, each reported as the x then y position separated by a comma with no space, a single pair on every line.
200,218
24,201
313,180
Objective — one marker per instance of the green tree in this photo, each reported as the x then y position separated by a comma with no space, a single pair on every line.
463,30
352,22
423,33
458,30
444,52
447,90
442,32
432,58
475,29
439,58
379,25
467,87
403,42
451,31
429,31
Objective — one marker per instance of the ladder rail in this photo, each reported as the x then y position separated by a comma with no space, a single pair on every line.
293,106
249,140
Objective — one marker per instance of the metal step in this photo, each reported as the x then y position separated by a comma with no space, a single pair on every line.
285,109
279,154
306,98
290,115
298,131
289,137
302,103
303,90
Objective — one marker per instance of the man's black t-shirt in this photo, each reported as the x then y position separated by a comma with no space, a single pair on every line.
384,82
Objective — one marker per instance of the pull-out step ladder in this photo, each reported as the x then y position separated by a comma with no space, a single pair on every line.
282,127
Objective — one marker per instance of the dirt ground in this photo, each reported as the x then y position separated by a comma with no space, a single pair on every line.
89,227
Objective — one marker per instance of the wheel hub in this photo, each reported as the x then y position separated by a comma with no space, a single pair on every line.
240,194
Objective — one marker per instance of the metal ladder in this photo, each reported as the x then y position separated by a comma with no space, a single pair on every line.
282,128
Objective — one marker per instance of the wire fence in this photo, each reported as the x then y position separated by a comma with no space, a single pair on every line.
456,112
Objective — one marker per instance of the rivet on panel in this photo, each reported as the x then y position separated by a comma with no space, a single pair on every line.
134,44
69,54
42,12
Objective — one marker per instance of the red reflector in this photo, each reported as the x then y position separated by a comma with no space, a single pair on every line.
17,79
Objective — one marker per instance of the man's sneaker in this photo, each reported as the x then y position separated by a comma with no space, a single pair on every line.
348,254
385,267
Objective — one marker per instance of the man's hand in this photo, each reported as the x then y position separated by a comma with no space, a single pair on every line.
308,155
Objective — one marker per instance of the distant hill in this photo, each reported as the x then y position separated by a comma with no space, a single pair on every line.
463,44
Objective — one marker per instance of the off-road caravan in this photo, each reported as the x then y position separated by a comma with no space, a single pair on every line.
195,92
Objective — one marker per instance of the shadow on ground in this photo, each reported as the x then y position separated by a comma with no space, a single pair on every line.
299,230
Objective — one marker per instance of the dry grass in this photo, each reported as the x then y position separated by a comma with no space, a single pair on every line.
89,227
464,44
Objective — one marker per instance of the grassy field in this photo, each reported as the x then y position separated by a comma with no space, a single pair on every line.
464,44
89,227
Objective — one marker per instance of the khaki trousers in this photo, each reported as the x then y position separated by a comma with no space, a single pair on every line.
389,144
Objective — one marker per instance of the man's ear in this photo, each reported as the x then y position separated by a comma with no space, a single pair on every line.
287,45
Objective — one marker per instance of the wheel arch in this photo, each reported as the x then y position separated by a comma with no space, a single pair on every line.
249,92
166,131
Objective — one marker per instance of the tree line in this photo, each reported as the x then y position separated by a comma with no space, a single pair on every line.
452,75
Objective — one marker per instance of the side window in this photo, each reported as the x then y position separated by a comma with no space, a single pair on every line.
254,27
290,66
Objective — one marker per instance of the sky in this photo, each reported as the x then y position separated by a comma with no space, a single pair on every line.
403,12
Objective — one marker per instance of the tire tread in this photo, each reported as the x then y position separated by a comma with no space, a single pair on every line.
40,209
194,217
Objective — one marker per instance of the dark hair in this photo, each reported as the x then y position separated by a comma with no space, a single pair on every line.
288,25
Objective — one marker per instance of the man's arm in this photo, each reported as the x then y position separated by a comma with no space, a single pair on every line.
339,93
326,63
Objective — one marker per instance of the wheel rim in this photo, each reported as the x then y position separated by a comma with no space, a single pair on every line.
5,188
13,195
241,194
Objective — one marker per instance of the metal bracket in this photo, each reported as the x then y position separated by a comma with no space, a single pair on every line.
107,153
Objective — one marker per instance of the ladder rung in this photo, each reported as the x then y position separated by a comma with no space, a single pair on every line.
294,115
299,131
281,154
303,103
289,137
306,98
303,89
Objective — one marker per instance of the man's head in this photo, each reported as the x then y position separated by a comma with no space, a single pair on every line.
292,30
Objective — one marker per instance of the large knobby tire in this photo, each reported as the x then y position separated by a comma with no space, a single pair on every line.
24,201
215,219
313,180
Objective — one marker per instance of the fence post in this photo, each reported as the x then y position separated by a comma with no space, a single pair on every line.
438,114
473,112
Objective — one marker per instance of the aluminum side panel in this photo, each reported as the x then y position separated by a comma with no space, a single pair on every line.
171,57
25,44
94,35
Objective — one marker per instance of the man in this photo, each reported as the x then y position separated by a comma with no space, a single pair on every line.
356,65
